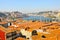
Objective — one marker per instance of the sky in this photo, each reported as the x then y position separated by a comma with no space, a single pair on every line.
28,6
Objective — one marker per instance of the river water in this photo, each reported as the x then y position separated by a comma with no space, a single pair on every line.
41,18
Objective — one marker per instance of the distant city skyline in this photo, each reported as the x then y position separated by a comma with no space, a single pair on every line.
29,6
